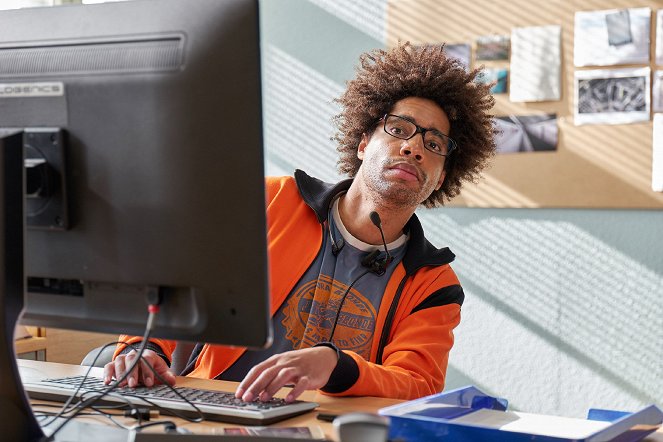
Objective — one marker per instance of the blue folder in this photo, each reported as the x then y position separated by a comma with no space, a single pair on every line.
468,414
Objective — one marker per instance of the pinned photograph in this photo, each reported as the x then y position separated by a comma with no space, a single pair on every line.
460,52
611,37
526,133
612,96
657,92
498,76
619,28
493,47
535,64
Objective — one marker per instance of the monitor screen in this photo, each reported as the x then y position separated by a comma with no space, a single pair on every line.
141,127
143,139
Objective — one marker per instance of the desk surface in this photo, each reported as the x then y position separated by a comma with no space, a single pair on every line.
37,369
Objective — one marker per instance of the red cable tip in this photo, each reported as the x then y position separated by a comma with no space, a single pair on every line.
153,308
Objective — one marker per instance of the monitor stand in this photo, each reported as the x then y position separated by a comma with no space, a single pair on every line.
17,421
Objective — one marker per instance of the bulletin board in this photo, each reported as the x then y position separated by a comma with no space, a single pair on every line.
594,165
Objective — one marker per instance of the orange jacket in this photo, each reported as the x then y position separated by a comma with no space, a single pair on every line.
415,322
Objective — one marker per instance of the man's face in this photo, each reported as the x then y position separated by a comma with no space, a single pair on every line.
403,172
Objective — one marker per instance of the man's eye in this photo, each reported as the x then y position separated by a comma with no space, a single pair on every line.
432,145
396,130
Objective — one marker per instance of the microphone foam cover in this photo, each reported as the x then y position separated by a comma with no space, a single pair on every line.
375,218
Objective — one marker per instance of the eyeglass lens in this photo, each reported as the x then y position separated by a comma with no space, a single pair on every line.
433,140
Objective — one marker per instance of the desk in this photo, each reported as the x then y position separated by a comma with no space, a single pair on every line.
35,342
328,404
38,369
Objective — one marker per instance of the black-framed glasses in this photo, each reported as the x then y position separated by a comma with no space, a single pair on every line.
434,140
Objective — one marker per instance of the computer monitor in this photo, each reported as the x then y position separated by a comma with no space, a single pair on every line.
142,131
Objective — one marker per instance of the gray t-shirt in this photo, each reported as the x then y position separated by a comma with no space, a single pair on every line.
308,314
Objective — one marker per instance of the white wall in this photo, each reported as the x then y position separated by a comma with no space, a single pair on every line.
564,308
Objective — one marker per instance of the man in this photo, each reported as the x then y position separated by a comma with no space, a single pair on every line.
363,304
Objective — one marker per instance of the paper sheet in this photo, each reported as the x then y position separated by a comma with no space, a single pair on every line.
535,63
657,155
609,37
552,426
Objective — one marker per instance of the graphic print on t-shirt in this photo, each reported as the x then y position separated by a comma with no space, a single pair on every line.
310,312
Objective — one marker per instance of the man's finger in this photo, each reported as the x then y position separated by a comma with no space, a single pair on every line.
132,378
120,369
284,376
109,372
298,389
147,375
250,378
262,381
167,376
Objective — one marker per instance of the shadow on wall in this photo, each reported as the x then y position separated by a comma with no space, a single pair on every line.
298,109
556,309
303,75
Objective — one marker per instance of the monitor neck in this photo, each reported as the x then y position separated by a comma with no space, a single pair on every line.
18,421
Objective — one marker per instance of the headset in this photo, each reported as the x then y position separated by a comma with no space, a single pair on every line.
374,262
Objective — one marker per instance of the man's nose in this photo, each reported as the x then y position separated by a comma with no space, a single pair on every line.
413,147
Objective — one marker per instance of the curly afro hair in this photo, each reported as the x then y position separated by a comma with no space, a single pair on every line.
385,77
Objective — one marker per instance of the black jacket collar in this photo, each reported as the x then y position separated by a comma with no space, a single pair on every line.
420,252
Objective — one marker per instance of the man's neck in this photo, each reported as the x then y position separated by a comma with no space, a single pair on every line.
354,209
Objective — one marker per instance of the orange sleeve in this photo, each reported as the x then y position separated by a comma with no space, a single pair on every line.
166,346
415,360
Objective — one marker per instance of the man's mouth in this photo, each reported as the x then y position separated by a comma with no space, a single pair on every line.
405,171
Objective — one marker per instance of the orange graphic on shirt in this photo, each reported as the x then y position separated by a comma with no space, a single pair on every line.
311,311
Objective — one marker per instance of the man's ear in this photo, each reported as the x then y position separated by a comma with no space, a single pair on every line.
362,146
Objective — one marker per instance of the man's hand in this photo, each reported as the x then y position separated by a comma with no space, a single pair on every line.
306,369
140,374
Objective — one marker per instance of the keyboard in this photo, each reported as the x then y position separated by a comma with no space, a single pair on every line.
214,405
